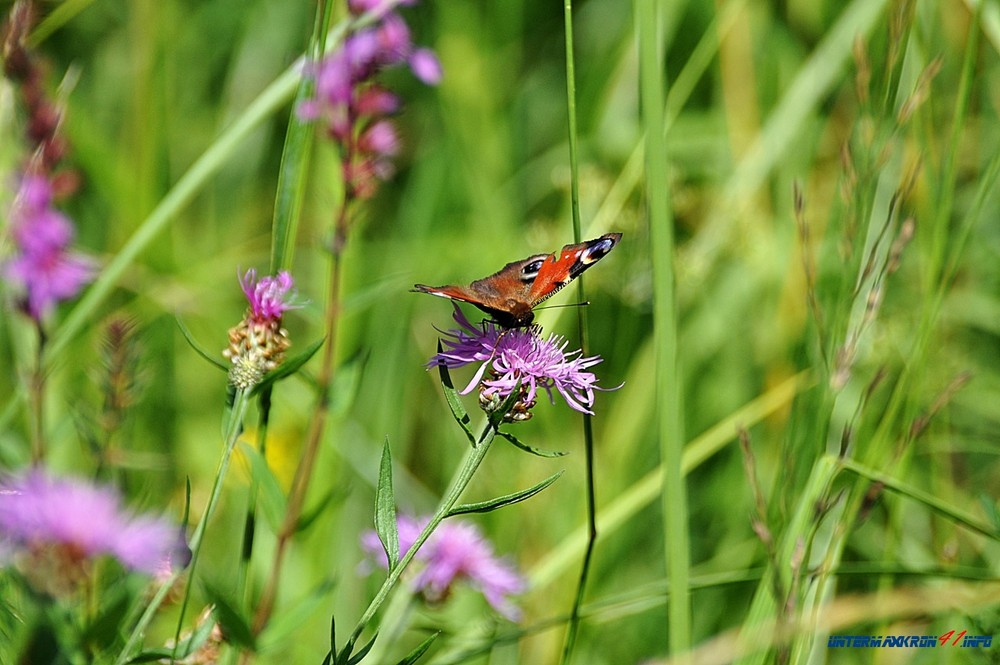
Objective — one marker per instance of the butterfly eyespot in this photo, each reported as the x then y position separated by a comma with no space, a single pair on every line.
596,252
530,271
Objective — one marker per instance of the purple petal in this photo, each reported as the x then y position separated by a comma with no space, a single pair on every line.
426,66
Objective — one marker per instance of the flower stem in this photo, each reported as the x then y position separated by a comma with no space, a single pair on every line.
473,458
233,429
303,474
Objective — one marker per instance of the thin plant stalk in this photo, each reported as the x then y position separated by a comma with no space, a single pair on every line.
37,388
317,426
473,458
233,430
588,430
670,428
234,427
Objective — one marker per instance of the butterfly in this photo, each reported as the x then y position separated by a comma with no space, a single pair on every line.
512,292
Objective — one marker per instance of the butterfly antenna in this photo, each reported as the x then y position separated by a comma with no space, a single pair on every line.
572,304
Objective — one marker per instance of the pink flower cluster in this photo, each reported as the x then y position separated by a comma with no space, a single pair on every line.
354,107
42,267
39,512
456,551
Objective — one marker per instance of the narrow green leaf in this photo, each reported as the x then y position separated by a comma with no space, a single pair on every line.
421,649
531,449
990,508
385,509
291,182
287,622
185,647
501,501
364,651
333,641
451,396
345,385
187,500
289,367
105,626
235,626
198,348
272,500
306,520
931,501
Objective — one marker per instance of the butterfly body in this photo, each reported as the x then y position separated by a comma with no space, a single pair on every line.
510,294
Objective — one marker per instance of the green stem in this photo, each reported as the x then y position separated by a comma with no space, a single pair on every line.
670,424
233,429
473,458
588,431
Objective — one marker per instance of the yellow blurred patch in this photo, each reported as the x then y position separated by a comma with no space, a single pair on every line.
282,455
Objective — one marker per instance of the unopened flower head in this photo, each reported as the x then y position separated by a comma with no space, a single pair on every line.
353,105
42,266
456,551
512,357
258,344
53,529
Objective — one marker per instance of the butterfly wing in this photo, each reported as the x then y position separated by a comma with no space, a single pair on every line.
503,295
556,273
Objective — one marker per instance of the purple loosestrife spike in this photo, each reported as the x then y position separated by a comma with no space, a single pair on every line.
258,344
353,106
456,551
521,354
53,529
42,267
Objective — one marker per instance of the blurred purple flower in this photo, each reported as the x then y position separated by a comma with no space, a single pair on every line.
359,7
72,522
426,66
455,551
519,354
42,265
353,105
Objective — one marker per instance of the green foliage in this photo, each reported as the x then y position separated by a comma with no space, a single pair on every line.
830,171
385,509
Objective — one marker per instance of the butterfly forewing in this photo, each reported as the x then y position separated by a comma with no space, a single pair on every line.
555,273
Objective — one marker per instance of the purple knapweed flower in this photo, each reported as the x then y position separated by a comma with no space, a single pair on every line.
350,102
54,528
268,296
42,267
509,356
456,551
258,344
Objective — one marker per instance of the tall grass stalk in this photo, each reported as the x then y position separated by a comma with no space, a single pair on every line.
588,429
234,426
669,417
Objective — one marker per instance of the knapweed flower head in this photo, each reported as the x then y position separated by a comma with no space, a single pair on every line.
455,552
258,344
42,267
509,357
53,529
354,107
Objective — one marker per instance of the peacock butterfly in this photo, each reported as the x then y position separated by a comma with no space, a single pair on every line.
512,292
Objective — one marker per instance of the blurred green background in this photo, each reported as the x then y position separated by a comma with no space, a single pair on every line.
761,95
